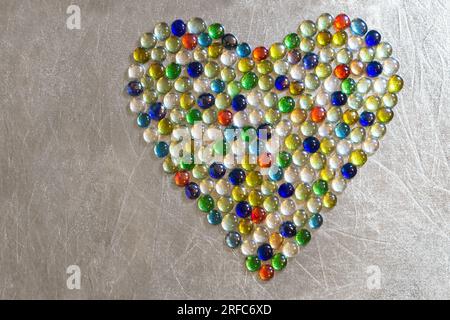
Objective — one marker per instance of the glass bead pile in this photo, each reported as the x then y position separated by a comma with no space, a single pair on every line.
326,91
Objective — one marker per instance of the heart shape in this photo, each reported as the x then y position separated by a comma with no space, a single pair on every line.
264,139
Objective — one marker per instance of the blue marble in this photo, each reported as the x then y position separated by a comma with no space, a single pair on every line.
311,144
192,190
205,100
194,69
265,252
349,170
161,149
288,229
315,221
243,209
239,102
157,111
286,190
178,28
338,98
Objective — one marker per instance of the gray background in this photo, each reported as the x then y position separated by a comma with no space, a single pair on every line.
78,184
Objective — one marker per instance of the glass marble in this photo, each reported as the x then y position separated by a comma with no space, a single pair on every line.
161,149
338,98
310,61
135,88
366,118
374,69
192,190
286,190
279,261
349,170
315,221
216,31
233,239
311,144
229,41
288,229
303,237
143,120
243,50
266,272
249,80
265,252
372,38
253,264
205,203
243,209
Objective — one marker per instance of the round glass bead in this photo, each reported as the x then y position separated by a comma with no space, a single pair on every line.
245,227
233,239
277,51
286,190
266,272
290,249
258,214
194,69
372,38
205,203
315,221
385,115
248,247
148,40
265,252
291,41
320,187
311,144
339,39
286,104
374,69
196,25
243,50
217,170
329,200
192,190
239,102
178,28
237,176
229,222
288,229
216,31
303,237
243,209
143,120
358,27
338,98
348,170
204,40
395,84
161,149
279,261
249,80
252,263
229,41
341,22
310,61
135,88
141,55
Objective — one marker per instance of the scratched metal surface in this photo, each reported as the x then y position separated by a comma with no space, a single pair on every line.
79,186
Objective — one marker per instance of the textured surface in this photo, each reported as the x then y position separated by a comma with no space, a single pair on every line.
79,186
